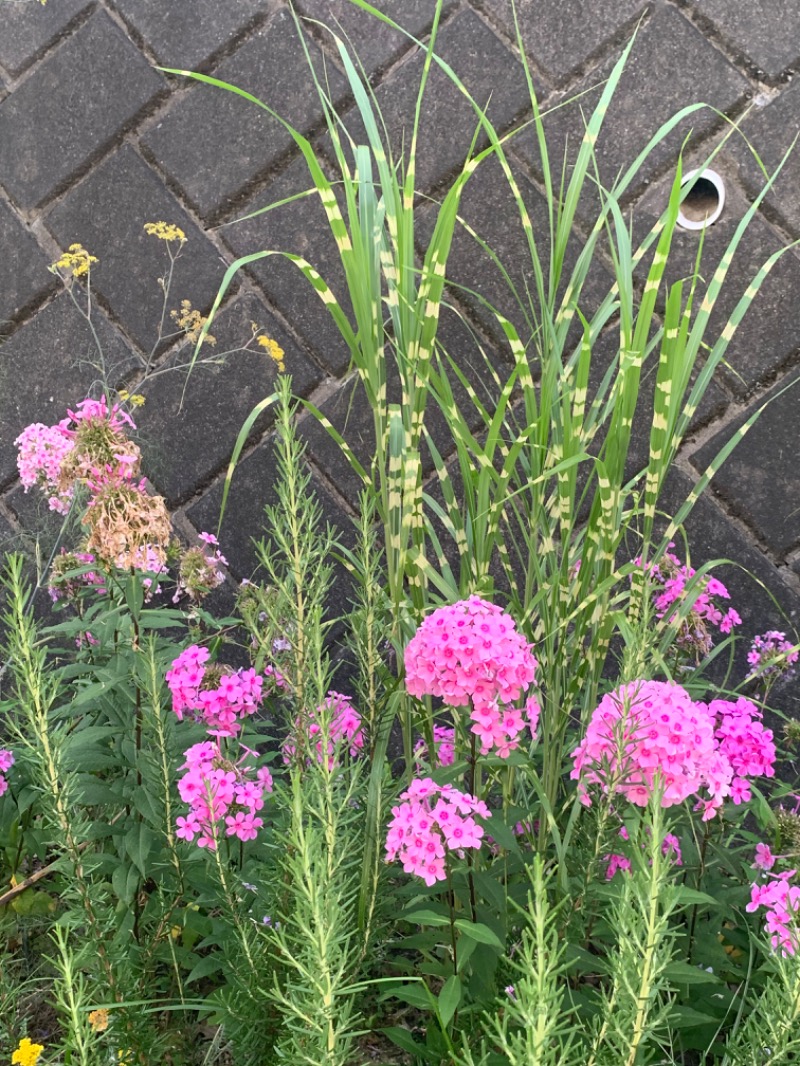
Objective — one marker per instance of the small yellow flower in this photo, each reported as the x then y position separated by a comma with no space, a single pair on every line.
191,321
122,1057
134,398
165,231
27,1054
273,350
98,1019
76,261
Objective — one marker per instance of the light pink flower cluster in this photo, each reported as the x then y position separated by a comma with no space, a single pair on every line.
55,457
471,652
782,903
220,697
217,789
343,726
649,728
6,762
41,455
430,821
745,743
651,731
671,578
772,655
443,747
200,571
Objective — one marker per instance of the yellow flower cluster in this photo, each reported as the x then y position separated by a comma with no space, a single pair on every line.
191,321
134,398
165,231
98,1019
27,1054
273,350
76,261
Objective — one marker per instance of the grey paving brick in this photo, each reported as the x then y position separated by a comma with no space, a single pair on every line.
107,213
30,28
491,74
213,142
184,444
771,128
754,28
184,33
767,338
375,43
760,481
58,119
560,35
23,267
253,488
671,66
45,368
300,228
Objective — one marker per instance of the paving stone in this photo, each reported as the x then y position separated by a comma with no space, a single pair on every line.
300,228
561,35
184,33
28,29
488,207
242,140
107,213
766,340
374,42
671,66
185,444
771,128
252,489
753,28
760,481
45,368
24,277
56,121
448,122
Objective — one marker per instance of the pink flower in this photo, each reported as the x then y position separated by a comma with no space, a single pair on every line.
771,655
764,859
782,902
443,745
343,725
471,652
429,821
649,733
616,862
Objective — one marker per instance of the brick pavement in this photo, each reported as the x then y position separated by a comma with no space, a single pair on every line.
95,141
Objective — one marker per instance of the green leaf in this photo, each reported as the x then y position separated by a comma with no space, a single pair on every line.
681,973
449,999
205,967
403,1039
691,896
478,932
426,917
416,995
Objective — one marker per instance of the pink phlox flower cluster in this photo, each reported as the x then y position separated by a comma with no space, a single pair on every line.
764,859
671,577
118,419
472,652
616,862
429,821
41,454
744,742
782,902
443,746
772,655
221,698
670,847
200,569
6,762
344,730
63,588
649,730
217,789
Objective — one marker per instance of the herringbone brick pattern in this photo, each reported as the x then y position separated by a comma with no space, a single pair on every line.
95,141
